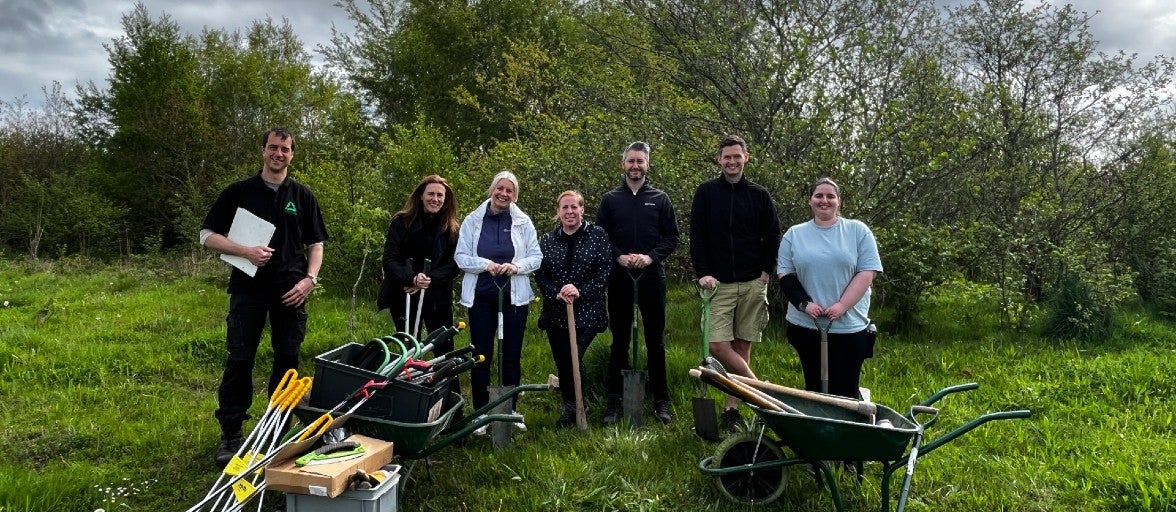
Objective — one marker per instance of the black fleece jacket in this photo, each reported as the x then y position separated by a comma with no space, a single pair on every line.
734,232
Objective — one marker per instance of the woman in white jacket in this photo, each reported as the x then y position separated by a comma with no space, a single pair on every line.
497,248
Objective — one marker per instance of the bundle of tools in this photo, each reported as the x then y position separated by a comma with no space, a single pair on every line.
243,478
377,356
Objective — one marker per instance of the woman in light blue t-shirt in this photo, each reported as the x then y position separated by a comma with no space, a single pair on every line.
826,266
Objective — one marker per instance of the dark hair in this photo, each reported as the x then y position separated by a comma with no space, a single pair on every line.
636,146
282,134
414,205
825,180
732,140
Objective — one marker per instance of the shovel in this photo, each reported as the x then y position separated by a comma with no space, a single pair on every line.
581,419
706,422
823,324
501,432
633,403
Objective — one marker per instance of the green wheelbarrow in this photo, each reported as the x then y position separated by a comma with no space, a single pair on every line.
749,467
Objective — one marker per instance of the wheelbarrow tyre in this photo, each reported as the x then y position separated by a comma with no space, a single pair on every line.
754,486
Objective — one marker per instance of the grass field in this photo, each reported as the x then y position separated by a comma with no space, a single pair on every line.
108,377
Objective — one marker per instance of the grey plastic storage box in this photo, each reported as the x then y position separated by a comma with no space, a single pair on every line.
382,498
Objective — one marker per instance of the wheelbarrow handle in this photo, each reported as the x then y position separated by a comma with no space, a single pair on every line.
958,388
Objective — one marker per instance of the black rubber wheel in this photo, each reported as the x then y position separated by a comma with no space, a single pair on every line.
755,486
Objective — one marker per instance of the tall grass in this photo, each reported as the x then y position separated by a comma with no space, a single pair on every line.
108,377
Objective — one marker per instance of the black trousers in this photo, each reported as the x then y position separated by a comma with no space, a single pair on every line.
561,353
245,321
651,301
847,352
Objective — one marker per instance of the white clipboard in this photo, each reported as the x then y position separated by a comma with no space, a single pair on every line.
248,230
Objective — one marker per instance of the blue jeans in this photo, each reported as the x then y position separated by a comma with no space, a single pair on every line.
483,333
245,321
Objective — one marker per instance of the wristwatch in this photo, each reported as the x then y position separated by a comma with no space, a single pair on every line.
803,306
313,279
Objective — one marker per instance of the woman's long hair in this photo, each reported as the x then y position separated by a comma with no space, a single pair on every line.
446,218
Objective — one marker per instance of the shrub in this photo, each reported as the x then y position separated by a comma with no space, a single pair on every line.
1076,312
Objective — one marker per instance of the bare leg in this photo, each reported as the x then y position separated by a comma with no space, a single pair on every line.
735,356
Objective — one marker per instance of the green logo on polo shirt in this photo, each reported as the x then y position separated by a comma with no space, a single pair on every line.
290,208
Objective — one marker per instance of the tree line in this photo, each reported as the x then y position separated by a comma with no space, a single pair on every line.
990,141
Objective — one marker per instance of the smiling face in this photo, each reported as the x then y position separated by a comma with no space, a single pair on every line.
502,194
825,203
732,159
636,164
570,212
433,197
277,154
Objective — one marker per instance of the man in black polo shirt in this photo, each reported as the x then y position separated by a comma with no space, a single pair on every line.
287,271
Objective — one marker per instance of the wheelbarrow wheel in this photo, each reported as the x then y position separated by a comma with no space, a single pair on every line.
754,486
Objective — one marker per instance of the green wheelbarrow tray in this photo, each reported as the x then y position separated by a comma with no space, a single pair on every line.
748,467
829,432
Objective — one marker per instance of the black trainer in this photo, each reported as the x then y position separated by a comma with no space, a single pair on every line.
567,416
661,411
730,420
612,409
229,444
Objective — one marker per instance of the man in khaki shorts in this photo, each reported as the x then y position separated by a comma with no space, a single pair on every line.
734,236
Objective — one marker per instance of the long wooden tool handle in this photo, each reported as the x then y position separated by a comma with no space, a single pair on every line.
581,417
740,391
866,408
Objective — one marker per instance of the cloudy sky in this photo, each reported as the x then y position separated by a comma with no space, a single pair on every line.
42,41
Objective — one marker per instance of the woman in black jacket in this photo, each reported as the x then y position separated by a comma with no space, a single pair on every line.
577,259
426,228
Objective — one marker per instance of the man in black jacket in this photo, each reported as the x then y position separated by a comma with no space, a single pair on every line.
734,236
643,231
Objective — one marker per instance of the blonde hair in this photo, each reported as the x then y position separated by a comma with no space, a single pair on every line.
504,175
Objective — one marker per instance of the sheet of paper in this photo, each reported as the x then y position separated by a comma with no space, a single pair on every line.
249,230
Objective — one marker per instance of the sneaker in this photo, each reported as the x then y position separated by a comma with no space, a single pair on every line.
567,416
731,420
481,431
228,447
612,410
519,425
661,411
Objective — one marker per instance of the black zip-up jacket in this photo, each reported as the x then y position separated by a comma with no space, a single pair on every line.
298,223
734,232
640,223
419,241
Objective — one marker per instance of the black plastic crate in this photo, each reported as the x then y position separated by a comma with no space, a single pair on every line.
335,380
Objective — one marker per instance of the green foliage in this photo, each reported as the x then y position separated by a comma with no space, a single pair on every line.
916,259
1075,312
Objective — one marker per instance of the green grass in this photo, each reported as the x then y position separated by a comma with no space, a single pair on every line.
108,377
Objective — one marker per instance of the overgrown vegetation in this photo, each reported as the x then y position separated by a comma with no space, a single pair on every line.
989,139
108,376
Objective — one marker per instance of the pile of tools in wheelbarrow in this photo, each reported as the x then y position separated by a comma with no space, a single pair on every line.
381,391
749,467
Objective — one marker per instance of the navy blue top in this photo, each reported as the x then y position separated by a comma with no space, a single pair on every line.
495,245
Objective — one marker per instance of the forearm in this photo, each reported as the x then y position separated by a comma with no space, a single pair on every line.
857,288
314,259
223,245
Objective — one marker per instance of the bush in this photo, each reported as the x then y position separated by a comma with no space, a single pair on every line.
1075,312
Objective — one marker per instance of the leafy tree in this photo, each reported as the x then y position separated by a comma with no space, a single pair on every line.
1049,109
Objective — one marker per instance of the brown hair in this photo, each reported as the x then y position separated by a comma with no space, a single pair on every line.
447,217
